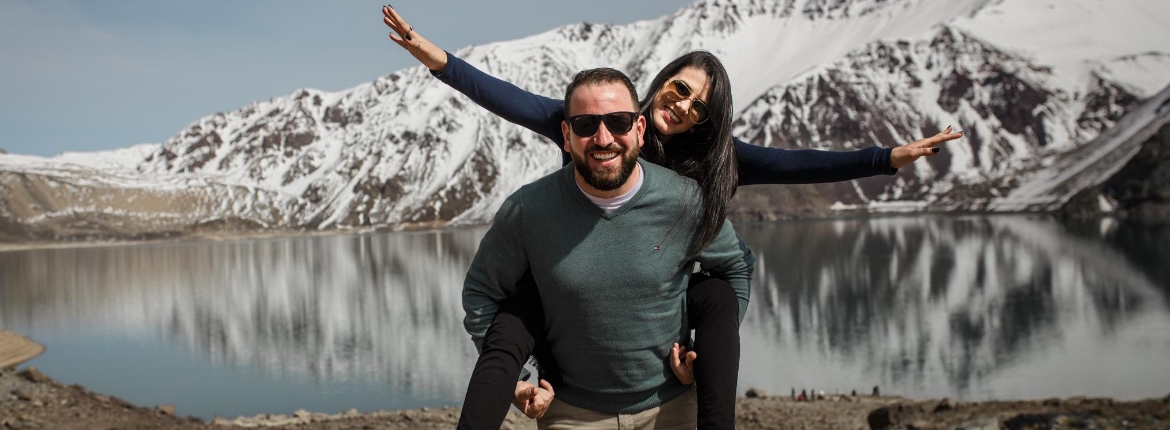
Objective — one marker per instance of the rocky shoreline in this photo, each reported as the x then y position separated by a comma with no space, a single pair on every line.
31,400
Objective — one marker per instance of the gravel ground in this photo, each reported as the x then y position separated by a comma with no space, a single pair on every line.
32,400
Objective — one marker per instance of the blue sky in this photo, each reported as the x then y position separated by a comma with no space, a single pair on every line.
92,75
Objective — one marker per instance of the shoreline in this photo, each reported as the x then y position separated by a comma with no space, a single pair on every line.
214,237
228,236
32,400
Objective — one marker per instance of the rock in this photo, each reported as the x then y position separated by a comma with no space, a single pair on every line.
895,416
1031,421
220,421
979,424
33,375
943,405
918,425
302,414
102,398
884,417
166,409
1053,402
352,412
755,393
21,425
22,395
38,403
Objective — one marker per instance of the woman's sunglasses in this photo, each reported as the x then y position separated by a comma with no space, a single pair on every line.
678,91
615,122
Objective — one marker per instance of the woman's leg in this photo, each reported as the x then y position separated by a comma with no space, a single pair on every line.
713,311
511,339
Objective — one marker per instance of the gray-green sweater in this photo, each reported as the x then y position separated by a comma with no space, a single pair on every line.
613,285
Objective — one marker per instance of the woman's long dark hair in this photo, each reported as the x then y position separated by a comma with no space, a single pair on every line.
705,153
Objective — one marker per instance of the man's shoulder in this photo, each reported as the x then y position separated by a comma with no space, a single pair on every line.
534,194
668,179
542,188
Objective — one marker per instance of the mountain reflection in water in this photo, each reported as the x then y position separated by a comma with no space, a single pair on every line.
966,307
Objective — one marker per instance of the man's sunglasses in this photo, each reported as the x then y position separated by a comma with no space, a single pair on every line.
615,122
678,91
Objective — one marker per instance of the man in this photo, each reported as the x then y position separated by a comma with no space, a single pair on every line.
607,240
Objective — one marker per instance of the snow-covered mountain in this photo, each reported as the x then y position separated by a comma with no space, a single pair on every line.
1029,81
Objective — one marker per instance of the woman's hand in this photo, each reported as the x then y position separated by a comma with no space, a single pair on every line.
683,364
911,152
405,36
533,400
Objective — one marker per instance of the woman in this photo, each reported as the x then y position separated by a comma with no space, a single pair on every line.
689,108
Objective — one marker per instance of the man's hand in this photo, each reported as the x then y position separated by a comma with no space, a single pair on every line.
684,367
533,400
911,152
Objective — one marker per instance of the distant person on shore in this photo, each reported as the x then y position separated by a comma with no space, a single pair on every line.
610,244
688,110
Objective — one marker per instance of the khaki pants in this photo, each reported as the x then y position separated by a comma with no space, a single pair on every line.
680,413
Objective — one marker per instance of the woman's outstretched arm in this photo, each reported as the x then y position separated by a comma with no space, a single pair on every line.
764,165
540,114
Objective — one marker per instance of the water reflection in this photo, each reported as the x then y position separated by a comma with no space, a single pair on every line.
941,305
331,309
967,307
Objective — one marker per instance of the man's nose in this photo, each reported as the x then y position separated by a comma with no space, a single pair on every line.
603,136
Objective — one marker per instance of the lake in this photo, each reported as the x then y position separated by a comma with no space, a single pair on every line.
966,307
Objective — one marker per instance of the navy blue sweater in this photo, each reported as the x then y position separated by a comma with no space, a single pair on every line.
757,164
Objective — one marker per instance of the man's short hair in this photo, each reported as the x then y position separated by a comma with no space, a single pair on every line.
601,75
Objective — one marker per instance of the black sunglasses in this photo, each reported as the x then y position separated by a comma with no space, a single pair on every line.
678,90
615,122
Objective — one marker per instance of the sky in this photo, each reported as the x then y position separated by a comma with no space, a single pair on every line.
93,75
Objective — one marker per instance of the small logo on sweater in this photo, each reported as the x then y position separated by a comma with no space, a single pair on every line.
657,248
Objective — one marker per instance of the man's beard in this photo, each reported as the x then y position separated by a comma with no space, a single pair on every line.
608,182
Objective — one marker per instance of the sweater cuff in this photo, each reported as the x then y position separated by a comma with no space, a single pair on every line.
442,73
883,163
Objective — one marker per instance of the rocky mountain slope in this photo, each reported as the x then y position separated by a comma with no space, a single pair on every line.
1030,82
